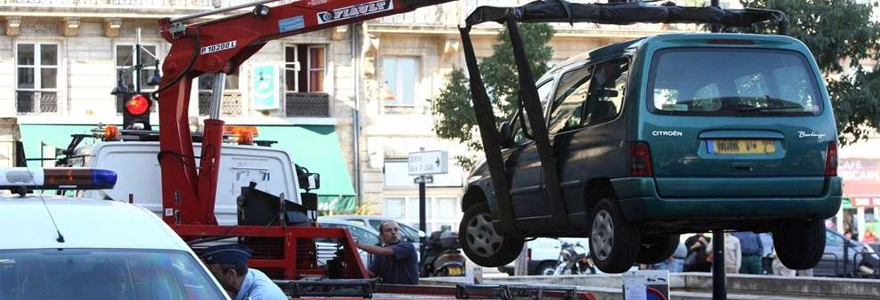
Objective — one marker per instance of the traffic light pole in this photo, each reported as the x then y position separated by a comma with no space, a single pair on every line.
138,63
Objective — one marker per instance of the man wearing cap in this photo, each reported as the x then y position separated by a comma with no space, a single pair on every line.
397,261
228,263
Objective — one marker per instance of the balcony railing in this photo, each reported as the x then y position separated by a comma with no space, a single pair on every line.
453,13
230,105
307,105
34,102
166,4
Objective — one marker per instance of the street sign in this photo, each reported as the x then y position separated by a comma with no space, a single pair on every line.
427,179
428,162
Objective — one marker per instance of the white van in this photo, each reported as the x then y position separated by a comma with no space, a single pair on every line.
139,174
64,248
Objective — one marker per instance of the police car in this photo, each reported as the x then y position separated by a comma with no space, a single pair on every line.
54,247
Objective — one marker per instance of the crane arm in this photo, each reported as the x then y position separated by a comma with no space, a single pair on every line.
221,46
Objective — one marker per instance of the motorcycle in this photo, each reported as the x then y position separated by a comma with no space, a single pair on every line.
443,256
573,259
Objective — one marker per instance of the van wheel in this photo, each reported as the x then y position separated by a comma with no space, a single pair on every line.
614,242
656,249
481,243
800,243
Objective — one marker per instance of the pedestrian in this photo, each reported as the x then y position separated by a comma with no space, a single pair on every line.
678,257
779,268
396,261
697,258
869,238
228,263
732,254
752,248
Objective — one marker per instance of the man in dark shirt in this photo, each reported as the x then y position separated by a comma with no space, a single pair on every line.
697,260
752,249
396,262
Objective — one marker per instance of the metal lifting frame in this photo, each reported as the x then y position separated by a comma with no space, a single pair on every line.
221,46
562,11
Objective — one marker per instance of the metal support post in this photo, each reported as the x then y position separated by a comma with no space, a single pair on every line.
422,227
217,95
719,277
137,63
716,27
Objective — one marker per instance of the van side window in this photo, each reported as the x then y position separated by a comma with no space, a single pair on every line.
544,90
568,106
606,95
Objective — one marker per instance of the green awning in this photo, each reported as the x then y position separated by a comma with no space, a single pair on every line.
58,136
315,147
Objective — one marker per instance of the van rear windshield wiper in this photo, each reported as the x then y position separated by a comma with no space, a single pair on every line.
768,108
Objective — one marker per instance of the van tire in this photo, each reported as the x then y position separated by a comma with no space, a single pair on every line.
800,244
482,243
614,241
656,249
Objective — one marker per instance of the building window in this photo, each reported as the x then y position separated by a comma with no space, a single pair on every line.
125,63
440,212
400,77
304,68
316,68
394,208
230,105
36,89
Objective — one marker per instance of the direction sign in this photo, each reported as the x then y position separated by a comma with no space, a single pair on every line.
428,162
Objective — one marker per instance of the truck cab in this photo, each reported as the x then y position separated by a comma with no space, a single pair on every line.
140,182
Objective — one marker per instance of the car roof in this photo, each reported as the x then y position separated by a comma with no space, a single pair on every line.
362,217
332,220
83,223
623,48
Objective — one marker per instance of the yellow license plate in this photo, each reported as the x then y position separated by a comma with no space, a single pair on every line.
740,146
454,271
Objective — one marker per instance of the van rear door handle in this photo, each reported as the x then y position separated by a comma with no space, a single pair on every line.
742,167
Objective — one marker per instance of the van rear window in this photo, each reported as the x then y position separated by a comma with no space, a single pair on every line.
732,82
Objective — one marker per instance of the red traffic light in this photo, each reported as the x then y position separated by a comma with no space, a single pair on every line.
137,105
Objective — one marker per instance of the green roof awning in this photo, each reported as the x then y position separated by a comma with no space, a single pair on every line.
315,147
58,136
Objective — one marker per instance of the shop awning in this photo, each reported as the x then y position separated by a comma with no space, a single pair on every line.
315,147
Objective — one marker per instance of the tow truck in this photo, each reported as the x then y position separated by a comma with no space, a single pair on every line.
221,46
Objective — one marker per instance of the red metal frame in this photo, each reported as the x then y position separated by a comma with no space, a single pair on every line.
222,45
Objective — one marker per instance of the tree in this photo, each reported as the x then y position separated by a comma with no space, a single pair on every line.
452,108
838,32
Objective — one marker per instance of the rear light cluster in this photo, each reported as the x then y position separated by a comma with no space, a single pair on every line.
831,160
639,158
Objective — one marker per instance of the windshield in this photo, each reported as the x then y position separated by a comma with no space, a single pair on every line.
732,82
109,274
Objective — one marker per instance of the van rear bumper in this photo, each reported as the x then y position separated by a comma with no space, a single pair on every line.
639,201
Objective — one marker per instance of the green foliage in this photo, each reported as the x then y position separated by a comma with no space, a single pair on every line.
838,32
453,110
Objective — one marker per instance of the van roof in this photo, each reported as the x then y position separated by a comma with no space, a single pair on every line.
628,47
84,223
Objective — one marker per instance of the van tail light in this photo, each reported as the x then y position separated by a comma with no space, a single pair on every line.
831,160
529,256
639,157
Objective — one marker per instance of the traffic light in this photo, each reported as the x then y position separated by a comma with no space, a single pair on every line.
136,111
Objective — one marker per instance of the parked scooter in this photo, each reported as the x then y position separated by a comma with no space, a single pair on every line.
443,256
573,259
